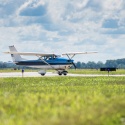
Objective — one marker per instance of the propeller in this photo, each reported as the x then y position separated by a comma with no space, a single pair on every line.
74,65
71,61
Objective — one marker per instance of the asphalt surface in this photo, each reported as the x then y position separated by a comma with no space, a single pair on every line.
48,74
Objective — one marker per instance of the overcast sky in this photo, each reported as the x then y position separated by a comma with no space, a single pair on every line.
59,26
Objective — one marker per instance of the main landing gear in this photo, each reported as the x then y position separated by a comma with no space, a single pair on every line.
62,73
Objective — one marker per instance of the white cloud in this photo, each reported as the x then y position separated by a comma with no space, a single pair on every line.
112,5
23,7
61,26
4,2
32,8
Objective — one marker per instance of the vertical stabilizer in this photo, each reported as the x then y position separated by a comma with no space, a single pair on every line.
15,57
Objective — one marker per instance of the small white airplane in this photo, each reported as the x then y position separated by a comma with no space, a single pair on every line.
45,61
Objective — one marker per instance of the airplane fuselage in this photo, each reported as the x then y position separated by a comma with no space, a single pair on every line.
51,63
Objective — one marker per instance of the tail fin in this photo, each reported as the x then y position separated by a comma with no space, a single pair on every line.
15,57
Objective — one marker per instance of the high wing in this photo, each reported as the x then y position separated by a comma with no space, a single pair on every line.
76,53
30,53
72,54
47,54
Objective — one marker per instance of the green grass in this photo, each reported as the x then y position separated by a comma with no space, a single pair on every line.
77,71
94,71
12,70
62,101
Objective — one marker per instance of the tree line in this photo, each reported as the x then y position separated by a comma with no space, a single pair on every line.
4,65
119,63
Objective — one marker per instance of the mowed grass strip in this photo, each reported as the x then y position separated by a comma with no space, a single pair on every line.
77,71
96,71
62,101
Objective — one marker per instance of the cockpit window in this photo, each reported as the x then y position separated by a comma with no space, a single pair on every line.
58,55
49,57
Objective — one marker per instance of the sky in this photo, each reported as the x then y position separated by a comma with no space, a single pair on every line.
60,26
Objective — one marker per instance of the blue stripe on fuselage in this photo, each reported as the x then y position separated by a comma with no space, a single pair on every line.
56,61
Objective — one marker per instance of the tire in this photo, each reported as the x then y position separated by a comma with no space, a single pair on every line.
42,74
60,74
65,74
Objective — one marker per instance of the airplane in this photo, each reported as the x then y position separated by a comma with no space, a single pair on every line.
45,61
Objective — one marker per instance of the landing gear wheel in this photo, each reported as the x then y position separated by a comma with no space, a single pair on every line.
60,73
42,74
65,73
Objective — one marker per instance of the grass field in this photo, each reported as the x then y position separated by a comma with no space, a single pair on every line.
62,101
77,71
95,71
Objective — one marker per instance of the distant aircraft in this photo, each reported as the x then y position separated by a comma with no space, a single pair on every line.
45,61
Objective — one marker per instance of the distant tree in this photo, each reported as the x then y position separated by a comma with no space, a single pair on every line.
83,65
111,63
91,65
79,65
121,66
99,65
120,61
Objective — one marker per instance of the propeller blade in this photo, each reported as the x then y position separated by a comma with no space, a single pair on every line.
74,65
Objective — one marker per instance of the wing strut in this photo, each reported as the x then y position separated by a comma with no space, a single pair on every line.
46,63
71,56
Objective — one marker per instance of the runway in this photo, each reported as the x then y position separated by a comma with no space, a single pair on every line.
49,74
